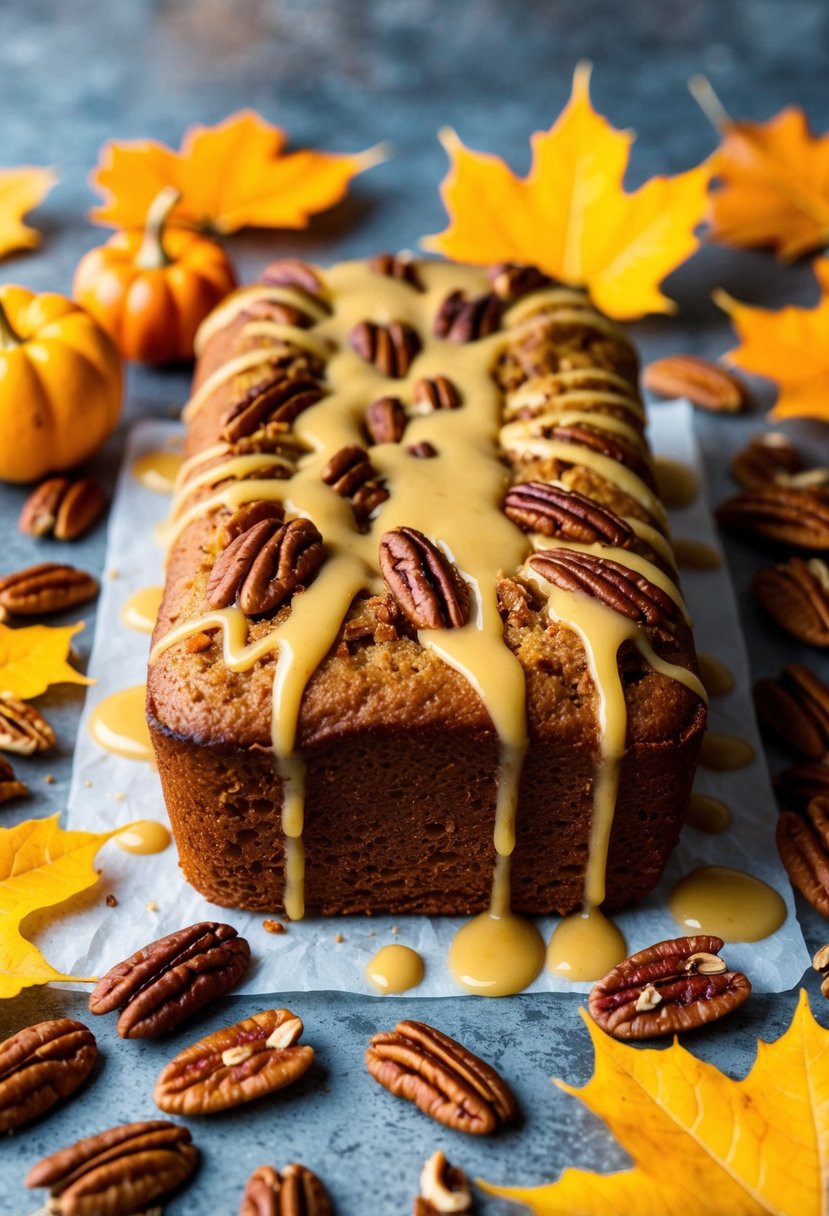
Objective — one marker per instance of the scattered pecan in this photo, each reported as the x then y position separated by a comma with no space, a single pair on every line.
795,709
625,591
265,565
461,320
292,1191
704,383
119,1172
606,444
821,964
803,845
673,986
437,393
796,596
279,402
797,785
510,281
291,272
423,450
386,420
444,1080
169,980
537,506
22,728
41,1065
350,474
765,458
249,514
401,266
237,1064
782,514
62,508
426,585
391,348
443,1188
10,787
46,588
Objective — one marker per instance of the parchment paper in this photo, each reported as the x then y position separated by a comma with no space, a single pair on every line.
318,954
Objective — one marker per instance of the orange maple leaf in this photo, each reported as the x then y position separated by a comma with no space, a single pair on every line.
773,180
21,190
571,215
789,346
231,176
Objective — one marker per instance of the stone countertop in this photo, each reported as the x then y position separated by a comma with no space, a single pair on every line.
343,76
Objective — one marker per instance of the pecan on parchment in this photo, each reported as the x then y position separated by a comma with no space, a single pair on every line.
350,474
425,584
265,565
279,402
435,393
537,506
292,1191
391,348
798,784
441,1077
235,1065
443,1188
45,588
606,444
23,729
119,1172
10,787
782,514
766,457
510,281
795,709
704,383
62,508
41,1065
625,591
169,980
400,266
803,845
461,320
796,597
670,987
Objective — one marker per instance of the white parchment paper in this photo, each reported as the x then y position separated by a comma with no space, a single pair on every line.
319,954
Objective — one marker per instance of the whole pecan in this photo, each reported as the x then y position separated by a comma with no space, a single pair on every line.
510,281
279,402
279,313
441,1077
803,845
796,596
428,589
443,1188
391,348
797,785
400,266
673,986
23,729
265,565
291,272
704,383
783,514
606,444
235,1065
62,508
765,458
349,472
386,420
169,980
10,787
820,962
48,587
537,506
250,514
623,590
292,1191
437,393
41,1065
461,320
119,1172
795,709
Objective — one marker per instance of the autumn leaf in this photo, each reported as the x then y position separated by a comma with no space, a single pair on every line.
20,191
788,345
33,657
702,1143
773,180
571,215
231,176
41,865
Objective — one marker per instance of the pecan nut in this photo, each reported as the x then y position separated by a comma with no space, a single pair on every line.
803,845
292,272
511,281
292,1191
119,1172
391,348
441,1077
537,506
265,565
277,403
426,585
765,458
625,591
794,708
10,787
400,266
22,728
250,514
782,514
423,450
237,1064
796,596
461,320
443,1188
45,588
605,444
797,785
41,1065
62,508
436,393
169,980
673,986
704,383
386,420
820,962
349,472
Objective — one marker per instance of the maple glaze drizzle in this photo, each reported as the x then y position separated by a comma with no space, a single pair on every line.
727,903
723,753
158,470
395,968
119,724
141,609
708,814
715,675
696,554
145,836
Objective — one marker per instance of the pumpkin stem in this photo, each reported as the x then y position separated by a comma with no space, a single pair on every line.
152,255
9,337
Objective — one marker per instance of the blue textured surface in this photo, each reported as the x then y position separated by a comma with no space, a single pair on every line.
344,76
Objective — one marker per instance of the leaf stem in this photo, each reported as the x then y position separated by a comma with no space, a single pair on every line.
703,94
152,255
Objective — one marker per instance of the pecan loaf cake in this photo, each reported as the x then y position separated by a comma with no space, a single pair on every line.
421,612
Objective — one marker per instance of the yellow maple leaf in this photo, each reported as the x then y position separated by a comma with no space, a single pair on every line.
571,215
789,346
41,865
773,180
21,190
702,1143
33,657
230,176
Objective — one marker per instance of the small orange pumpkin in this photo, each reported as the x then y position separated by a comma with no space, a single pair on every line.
151,290
61,383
